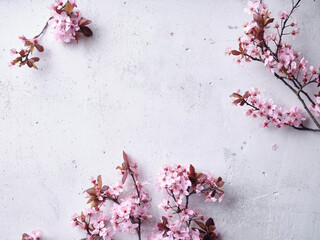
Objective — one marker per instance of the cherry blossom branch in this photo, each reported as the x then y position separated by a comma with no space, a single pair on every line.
297,93
244,100
294,7
127,213
138,193
67,23
284,63
180,183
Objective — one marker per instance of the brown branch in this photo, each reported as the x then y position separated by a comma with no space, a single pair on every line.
44,28
138,193
294,7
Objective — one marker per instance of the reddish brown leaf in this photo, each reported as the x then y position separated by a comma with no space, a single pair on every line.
220,183
201,224
31,48
68,8
59,11
260,35
22,63
18,59
236,95
35,59
126,160
84,22
28,43
209,222
235,52
91,191
124,178
192,170
86,31
99,180
22,53
39,47
77,37
29,63
269,21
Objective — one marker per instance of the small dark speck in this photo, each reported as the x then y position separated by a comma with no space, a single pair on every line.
124,2
232,27
172,33
74,162
104,152
37,122
187,49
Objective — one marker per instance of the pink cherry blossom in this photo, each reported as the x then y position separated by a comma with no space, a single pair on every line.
272,113
274,147
67,23
180,184
35,235
316,108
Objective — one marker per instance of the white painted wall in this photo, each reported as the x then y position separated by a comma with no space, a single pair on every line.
134,87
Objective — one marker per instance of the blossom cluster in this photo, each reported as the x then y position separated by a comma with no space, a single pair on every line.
127,213
316,107
35,235
180,184
272,113
23,56
260,43
68,23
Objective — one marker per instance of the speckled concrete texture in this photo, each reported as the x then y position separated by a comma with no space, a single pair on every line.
153,81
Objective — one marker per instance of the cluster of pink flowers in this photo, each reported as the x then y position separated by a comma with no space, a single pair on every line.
35,235
130,211
23,57
180,184
127,213
95,223
67,22
265,108
262,45
316,107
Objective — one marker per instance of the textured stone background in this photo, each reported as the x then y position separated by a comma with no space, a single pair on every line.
153,81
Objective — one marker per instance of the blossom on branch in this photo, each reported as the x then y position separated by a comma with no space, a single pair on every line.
264,42
265,108
35,235
127,213
67,24
181,221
